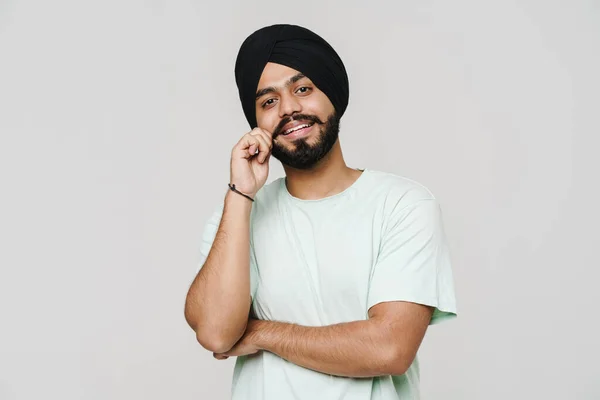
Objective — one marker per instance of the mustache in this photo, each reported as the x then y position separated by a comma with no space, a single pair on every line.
298,117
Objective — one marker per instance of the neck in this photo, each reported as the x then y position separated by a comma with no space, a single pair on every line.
328,177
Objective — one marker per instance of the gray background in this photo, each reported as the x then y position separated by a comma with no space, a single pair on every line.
117,119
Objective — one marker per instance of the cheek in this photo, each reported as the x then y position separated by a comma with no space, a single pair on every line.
328,106
321,107
266,120
260,117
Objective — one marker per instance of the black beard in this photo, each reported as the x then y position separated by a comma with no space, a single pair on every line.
304,155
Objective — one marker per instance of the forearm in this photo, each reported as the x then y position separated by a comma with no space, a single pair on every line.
353,349
218,301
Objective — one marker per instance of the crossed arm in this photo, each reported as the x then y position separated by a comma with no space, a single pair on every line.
384,344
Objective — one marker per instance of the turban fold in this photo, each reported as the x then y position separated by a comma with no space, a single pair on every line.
295,47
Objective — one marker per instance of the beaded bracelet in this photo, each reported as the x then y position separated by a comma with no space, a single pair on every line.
232,187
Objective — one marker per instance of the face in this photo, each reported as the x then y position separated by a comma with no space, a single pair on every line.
300,116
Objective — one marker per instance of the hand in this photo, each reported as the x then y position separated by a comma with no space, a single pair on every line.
250,161
246,345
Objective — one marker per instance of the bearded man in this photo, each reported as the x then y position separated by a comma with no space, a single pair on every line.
323,282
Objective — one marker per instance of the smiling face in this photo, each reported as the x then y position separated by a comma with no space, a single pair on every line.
302,119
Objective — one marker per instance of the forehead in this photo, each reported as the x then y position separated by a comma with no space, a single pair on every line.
275,75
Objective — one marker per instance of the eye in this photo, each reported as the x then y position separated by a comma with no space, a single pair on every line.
303,89
267,103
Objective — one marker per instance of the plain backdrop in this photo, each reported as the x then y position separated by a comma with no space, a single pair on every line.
117,120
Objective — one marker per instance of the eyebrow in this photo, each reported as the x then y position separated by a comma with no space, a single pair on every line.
272,89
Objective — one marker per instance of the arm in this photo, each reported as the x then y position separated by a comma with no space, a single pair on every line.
218,301
385,344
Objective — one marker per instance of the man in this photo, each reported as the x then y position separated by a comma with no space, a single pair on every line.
323,282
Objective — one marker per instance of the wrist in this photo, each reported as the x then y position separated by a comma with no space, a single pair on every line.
236,198
245,193
257,327
267,335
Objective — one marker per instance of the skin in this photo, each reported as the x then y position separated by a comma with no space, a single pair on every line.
384,344
330,175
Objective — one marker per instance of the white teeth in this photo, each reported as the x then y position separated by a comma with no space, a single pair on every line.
296,128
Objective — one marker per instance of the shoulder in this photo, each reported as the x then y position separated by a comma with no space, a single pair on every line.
405,202
397,191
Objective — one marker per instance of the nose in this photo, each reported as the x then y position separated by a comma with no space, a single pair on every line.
289,105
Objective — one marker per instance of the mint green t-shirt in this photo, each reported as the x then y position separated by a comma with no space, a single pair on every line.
327,261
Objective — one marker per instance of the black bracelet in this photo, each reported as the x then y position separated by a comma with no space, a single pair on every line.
232,187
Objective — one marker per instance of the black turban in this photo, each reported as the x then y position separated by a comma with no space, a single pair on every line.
295,47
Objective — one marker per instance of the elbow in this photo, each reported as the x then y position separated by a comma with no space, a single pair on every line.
218,339
210,340
214,343
398,368
397,362
213,339
212,331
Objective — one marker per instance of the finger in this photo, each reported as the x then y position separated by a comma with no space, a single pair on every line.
220,356
259,146
267,149
264,148
266,132
248,145
252,150
267,136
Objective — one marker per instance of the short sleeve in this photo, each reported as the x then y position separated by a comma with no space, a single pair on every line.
208,237
413,263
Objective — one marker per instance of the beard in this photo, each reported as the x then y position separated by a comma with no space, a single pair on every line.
305,155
